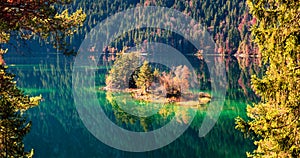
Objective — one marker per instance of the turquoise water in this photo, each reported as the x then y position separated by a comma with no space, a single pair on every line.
58,131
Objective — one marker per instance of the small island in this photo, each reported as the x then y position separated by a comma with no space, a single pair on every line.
150,84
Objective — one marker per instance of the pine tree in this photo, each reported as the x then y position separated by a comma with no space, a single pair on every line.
145,77
13,125
275,121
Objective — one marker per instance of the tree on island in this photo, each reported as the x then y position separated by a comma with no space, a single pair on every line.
156,75
13,125
121,72
182,75
176,81
275,121
145,77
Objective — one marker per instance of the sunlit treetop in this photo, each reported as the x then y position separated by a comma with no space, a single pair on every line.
37,17
274,122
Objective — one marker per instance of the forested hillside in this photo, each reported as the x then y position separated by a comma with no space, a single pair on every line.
227,21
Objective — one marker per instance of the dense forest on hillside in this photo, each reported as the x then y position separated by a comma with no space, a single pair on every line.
228,23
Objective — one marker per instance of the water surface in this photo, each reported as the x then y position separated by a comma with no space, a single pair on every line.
57,130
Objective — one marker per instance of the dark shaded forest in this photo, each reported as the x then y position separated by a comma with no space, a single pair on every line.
228,22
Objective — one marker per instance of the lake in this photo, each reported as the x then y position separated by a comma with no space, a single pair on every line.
58,131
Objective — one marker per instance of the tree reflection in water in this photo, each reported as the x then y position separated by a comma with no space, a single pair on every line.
57,130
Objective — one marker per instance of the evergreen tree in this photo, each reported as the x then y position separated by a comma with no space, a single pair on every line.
145,77
275,121
13,125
